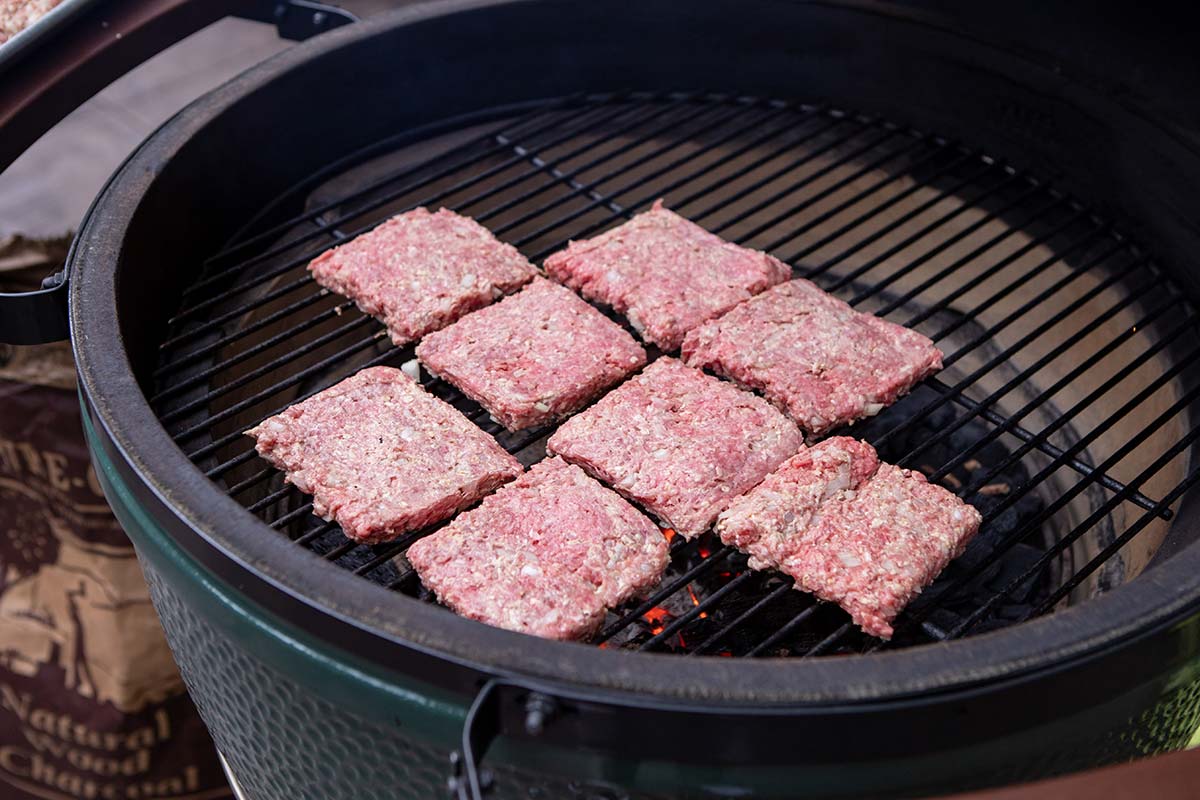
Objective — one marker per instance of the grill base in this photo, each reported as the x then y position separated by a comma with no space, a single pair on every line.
282,717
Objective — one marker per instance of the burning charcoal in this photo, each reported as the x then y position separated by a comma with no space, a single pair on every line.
1014,564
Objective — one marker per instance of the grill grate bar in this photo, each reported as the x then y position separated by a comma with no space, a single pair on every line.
915,237
589,189
1011,424
236,461
1059,256
1062,544
916,144
292,516
210,348
728,158
1132,366
266,369
217,444
1060,502
766,202
554,121
314,533
1050,356
253,480
978,279
1038,442
786,629
826,644
307,256
529,153
587,230
867,216
295,378
708,563
699,608
1016,347
560,177
542,167
245,355
955,393
939,153
1115,458
735,623
1112,549
340,550
565,130
944,245
270,499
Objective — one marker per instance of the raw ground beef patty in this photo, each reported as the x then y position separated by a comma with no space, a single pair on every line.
681,443
665,273
546,555
812,355
419,272
381,456
865,535
540,354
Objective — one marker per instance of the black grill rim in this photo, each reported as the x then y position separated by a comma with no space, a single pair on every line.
242,552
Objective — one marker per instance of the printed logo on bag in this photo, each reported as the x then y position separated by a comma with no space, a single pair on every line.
91,703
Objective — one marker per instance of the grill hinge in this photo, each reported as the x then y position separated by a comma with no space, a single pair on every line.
468,781
298,20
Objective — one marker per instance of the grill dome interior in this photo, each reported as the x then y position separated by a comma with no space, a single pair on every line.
1061,413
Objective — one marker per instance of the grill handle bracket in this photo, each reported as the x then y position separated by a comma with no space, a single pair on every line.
35,317
80,53
297,20
468,780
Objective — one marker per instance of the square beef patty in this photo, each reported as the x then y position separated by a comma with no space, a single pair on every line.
419,272
812,355
869,542
545,555
665,273
381,456
538,355
681,443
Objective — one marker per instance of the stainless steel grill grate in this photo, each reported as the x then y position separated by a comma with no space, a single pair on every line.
1061,411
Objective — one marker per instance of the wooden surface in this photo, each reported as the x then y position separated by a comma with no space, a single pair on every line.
1170,777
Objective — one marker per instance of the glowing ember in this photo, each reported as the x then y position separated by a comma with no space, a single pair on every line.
703,551
656,617
696,602
669,533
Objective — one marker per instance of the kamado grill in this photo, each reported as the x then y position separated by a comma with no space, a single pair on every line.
1038,227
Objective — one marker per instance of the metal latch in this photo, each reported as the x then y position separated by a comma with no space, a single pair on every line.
468,781
298,20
